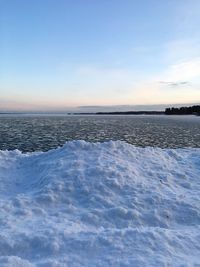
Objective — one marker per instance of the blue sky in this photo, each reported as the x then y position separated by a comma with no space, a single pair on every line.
56,54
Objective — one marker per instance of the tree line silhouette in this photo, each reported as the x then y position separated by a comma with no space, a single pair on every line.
183,110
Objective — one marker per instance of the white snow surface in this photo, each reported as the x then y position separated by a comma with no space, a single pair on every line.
100,204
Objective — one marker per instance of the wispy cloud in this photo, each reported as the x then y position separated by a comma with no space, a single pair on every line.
174,84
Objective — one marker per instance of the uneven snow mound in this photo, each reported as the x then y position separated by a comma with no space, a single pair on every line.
100,204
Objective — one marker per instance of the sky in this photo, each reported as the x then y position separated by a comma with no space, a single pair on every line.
59,54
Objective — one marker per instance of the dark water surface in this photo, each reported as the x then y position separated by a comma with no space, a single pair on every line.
39,132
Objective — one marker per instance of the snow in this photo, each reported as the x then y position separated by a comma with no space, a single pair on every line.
100,204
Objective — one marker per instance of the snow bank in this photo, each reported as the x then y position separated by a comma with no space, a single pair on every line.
100,204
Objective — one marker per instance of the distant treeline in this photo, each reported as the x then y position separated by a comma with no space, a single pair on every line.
183,111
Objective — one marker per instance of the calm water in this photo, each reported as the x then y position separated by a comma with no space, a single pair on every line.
31,133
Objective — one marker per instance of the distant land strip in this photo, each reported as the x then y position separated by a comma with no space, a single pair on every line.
125,113
192,110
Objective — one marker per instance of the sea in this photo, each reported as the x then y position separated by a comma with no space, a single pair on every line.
42,132
98,200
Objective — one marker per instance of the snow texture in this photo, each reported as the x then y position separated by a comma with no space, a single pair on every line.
100,204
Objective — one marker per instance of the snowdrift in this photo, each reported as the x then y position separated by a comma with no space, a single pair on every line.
100,204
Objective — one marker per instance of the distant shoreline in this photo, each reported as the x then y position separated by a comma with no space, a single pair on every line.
122,113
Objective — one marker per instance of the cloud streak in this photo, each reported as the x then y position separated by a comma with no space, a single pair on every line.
175,84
